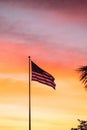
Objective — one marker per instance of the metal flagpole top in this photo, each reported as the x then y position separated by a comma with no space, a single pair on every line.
29,57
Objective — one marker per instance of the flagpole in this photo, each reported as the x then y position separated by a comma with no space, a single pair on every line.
29,98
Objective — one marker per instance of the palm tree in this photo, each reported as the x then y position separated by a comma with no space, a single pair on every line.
81,126
83,76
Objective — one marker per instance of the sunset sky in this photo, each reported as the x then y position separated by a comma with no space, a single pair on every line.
54,34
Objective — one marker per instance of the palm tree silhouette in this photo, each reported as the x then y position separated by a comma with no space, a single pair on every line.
83,76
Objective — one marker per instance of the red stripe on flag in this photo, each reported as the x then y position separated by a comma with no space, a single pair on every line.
44,82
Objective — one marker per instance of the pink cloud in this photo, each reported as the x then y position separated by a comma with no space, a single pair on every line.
14,57
68,11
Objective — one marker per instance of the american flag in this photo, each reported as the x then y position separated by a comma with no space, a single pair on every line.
42,76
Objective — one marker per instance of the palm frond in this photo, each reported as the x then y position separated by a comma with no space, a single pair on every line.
83,76
82,69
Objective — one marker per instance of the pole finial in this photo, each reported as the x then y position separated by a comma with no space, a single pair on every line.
29,57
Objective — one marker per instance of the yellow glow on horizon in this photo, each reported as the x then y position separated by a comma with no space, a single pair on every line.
51,109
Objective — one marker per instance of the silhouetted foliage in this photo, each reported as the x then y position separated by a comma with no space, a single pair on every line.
81,126
83,76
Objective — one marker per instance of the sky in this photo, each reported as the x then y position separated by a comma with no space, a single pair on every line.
54,34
